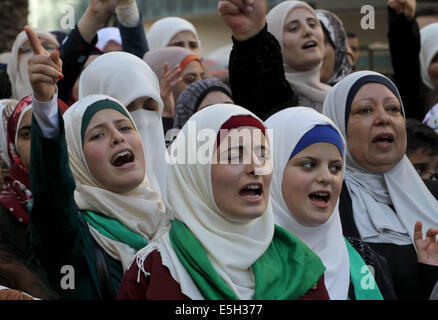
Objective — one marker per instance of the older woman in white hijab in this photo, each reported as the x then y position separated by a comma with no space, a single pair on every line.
173,31
384,201
131,81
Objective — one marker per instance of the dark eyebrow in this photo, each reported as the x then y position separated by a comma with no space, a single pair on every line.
103,124
24,128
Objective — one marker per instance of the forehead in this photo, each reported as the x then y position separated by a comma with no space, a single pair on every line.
183,36
320,150
374,90
193,67
247,136
106,116
26,119
299,13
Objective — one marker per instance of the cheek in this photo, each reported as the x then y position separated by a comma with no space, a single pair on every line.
433,71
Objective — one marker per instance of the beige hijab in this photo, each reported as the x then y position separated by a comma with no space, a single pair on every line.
140,210
231,246
17,65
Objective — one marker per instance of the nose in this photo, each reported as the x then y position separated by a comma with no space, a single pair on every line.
323,175
116,137
259,166
382,117
307,31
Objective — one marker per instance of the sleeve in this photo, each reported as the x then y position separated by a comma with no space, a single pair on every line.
428,278
54,220
257,77
74,52
46,115
404,46
133,36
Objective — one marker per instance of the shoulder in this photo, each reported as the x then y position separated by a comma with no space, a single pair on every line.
317,292
150,280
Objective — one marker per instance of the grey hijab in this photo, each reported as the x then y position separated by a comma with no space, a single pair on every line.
189,100
335,32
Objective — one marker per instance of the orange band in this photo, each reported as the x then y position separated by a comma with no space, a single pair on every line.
189,59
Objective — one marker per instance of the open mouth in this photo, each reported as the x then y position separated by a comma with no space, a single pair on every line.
384,138
309,44
252,191
122,158
321,198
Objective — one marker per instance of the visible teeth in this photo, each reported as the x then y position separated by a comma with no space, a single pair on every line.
253,187
251,196
321,194
121,154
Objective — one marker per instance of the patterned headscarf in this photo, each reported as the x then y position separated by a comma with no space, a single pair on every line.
189,100
334,31
17,194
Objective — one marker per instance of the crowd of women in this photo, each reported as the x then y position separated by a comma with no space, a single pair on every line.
321,202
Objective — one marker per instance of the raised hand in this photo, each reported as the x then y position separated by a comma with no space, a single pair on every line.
169,79
427,249
245,17
95,16
407,7
44,69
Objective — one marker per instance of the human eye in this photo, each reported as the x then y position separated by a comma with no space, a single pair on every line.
311,22
335,168
394,109
189,79
292,27
307,165
193,45
24,133
96,136
365,109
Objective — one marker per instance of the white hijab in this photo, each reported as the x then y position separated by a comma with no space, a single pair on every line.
163,30
126,77
326,240
372,193
106,35
232,246
17,65
429,48
306,83
140,210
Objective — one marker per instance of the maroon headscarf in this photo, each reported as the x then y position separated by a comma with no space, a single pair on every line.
16,193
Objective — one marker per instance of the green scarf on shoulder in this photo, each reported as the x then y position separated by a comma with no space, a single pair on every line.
365,287
285,271
113,229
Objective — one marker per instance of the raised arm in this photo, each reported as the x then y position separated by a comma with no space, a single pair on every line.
53,226
256,70
404,46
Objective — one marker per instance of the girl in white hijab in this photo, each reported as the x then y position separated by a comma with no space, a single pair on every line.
114,211
131,81
387,196
216,253
295,129
305,80
162,33
17,64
